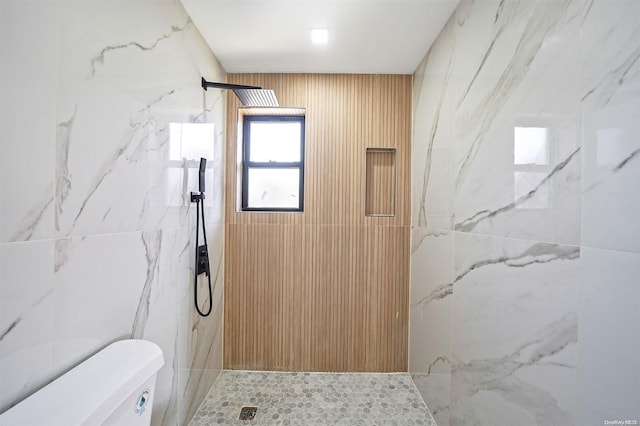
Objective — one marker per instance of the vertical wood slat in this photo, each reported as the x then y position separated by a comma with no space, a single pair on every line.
327,289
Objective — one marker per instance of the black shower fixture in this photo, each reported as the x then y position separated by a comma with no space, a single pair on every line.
202,253
250,96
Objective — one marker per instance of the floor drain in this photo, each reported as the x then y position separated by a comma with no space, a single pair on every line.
248,413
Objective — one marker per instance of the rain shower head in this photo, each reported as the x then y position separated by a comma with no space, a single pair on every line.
257,97
251,96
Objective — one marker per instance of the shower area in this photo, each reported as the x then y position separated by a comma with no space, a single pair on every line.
325,289
468,251
316,294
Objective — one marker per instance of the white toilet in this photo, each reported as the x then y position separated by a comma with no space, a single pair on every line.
113,387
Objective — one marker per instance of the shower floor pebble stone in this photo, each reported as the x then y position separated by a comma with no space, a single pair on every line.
309,399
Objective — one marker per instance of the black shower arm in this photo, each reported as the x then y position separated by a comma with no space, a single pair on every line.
229,86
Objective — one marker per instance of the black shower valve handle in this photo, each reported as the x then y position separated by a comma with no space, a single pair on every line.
196,197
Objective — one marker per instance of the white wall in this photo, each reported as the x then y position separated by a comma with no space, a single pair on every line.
96,232
525,296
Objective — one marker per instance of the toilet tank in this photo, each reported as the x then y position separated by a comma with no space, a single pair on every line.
113,387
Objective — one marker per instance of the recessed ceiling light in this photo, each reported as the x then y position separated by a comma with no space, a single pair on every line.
319,35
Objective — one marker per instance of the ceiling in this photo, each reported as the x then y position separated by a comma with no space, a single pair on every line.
365,36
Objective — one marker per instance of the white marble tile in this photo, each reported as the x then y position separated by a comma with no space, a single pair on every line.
435,390
516,66
108,89
99,281
436,211
514,298
192,344
432,151
611,201
570,67
610,104
504,398
200,338
515,326
431,297
122,85
29,57
26,319
609,337
157,313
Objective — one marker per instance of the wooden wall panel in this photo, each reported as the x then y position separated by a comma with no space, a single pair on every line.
326,289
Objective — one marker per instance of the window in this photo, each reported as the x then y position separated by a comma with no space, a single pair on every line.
273,163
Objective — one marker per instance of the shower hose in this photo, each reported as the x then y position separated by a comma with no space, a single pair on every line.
200,211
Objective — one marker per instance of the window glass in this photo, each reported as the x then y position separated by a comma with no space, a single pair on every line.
273,163
275,141
273,188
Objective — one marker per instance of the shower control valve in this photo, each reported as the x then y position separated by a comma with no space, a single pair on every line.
203,260
196,197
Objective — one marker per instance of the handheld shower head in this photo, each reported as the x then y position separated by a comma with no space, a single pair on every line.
203,168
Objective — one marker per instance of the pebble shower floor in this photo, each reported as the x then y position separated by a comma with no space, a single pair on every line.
310,399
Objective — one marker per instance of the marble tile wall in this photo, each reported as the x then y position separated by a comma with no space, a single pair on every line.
525,296
99,104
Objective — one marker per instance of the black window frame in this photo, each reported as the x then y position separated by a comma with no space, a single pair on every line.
247,164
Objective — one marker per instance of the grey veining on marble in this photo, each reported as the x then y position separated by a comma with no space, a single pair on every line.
508,284
442,291
491,86
16,321
100,58
435,388
514,322
432,134
26,319
204,357
432,272
615,168
105,220
34,217
467,225
63,249
607,81
27,121
152,245
545,344
541,17
537,254
10,327
610,104
431,137
63,180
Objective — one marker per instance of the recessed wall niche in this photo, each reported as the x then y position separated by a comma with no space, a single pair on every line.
380,192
